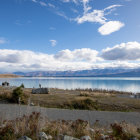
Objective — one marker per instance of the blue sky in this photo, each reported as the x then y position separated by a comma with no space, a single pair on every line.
69,34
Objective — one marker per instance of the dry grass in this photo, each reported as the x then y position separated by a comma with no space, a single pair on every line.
103,101
6,94
75,99
33,124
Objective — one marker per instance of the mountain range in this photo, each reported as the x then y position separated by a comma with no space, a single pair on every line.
83,73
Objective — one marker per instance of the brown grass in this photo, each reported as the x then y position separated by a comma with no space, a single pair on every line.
9,76
33,124
75,99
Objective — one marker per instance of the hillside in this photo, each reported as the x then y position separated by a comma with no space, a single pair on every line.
9,76
82,73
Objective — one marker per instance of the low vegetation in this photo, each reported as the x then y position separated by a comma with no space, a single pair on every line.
72,99
31,125
81,99
16,95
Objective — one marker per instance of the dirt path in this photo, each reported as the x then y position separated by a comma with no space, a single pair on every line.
10,111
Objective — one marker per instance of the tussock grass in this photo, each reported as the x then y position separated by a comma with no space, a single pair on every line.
76,99
31,125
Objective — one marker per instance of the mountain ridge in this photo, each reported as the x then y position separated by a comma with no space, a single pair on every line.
84,73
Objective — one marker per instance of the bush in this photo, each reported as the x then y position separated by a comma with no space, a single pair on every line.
85,104
7,133
19,94
22,85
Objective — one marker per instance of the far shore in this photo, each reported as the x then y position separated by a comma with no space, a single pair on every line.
9,76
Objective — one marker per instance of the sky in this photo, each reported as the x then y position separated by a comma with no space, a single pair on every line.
60,35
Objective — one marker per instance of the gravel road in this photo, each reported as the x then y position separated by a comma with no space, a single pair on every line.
10,111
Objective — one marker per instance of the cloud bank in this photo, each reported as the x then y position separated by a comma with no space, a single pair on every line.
124,55
123,51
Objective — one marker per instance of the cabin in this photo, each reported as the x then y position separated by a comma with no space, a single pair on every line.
5,84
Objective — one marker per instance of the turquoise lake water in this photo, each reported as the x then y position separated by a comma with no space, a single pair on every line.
121,84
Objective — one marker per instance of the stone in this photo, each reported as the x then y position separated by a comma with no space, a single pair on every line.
85,138
32,104
24,138
91,130
43,136
109,132
104,137
65,137
134,138
41,91
50,137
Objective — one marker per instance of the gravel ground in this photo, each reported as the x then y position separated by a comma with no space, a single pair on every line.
10,111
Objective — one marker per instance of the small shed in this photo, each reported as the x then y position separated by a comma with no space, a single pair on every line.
5,84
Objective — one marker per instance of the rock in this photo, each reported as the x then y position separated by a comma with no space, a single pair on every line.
24,138
50,137
134,138
32,104
109,132
43,136
41,91
91,130
104,137
65,137
85,138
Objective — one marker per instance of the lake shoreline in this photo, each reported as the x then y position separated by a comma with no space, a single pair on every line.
98,100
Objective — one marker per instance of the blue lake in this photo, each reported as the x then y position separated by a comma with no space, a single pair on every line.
121,84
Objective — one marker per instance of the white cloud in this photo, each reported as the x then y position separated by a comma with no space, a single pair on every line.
125,55
3,40
95,15
89,15
66,1
98,16
42,3
15,60
34,1
84,54
53,43
52,28
51,5
123,51
110,27
128,0
111,7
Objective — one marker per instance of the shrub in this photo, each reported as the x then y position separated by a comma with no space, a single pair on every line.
85,104
118,132
7,133
19,94
22,85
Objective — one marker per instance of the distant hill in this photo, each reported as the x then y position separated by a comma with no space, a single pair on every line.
9,76
135,73
93,73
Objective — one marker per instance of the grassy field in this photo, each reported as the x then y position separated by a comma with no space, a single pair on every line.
77,99
71,99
